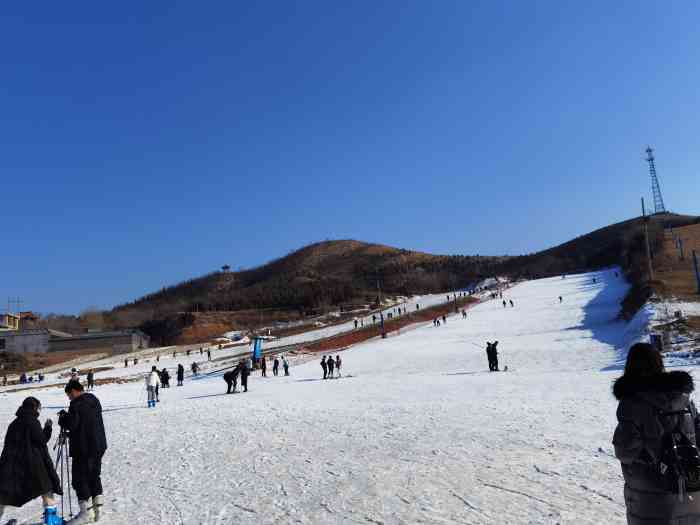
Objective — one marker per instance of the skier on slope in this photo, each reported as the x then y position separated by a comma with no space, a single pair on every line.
276,366
655,413
263,366
331,365
88,443
285,365
505,304
180,374
26,468
325,367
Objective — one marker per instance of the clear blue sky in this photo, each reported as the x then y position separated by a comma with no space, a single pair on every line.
144,143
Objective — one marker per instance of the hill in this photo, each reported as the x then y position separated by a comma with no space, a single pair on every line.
331,273
321,275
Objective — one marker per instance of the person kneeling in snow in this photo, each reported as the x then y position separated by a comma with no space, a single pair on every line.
88,443
26,469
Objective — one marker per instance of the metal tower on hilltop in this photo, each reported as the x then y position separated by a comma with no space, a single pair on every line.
655,188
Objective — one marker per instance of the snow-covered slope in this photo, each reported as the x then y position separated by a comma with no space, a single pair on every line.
418,430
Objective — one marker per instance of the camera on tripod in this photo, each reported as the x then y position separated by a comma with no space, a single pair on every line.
63,420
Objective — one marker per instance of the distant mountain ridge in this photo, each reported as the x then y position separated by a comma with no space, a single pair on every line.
331,273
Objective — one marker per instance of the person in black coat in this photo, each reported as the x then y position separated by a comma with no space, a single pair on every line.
26,469
324,365
652,403
263,366
331,365
231,378
245,372
180,374
276,366
88,443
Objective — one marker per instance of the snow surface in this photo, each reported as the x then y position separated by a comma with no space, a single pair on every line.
418,431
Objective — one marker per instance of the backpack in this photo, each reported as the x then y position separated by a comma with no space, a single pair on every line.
679,461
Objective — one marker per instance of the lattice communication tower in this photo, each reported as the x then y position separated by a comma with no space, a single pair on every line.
655,188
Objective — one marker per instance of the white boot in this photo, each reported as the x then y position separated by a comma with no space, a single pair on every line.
97,503
83,516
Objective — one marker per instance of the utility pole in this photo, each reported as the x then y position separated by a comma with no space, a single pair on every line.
697,270
381,311
646,239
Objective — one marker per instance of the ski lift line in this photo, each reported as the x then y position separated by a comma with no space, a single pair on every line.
269,351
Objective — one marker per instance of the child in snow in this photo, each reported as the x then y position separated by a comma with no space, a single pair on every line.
338,363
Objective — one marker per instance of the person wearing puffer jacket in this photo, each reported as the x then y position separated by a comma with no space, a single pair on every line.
645,393
152,383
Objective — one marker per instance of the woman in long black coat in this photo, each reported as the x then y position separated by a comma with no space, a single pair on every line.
26,469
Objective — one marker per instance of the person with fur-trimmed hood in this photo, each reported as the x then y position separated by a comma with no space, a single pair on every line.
646,395
26,468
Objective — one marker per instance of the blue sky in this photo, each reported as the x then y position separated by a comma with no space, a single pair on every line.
144,143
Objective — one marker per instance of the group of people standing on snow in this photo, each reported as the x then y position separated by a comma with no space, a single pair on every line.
436,321
275,365
331,367
27,470
241,370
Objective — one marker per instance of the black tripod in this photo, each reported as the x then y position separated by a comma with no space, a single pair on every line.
62,461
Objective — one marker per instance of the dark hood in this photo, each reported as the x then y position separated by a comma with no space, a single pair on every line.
86,400
666,382
26,411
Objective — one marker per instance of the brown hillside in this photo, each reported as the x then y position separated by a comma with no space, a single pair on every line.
675,274
332,273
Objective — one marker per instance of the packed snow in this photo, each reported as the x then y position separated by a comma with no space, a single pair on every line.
416,431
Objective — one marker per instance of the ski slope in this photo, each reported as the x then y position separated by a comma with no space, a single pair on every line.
418,430
424,301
